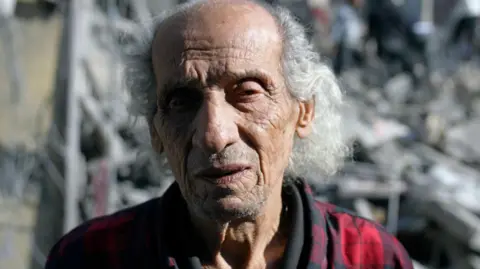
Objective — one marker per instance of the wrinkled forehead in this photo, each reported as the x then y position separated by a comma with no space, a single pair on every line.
235,36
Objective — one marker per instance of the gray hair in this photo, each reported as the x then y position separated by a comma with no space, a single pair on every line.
306,76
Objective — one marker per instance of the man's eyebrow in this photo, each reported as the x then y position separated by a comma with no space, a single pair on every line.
177,84
181,83
253,73
257,74
226,76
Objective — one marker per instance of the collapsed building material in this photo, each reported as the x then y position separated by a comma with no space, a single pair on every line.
460,141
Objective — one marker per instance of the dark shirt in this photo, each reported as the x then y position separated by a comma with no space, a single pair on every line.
158,234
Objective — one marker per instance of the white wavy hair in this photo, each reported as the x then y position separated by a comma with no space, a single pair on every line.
306,77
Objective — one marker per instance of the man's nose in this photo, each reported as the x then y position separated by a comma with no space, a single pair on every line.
215,127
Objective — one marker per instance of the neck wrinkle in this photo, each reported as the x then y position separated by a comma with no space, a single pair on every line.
249,243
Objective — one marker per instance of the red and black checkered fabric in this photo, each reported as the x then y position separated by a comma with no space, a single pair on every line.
128,239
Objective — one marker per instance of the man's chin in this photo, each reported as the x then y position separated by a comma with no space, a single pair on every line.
229,208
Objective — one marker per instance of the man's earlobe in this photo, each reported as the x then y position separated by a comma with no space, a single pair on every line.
305,118
155,138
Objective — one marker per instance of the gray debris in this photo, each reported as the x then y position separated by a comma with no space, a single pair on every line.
462,141
416,160
399,88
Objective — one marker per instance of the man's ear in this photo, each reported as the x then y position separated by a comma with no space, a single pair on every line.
154,137
305,118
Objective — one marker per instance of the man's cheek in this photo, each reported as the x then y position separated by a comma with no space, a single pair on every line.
175,148
275,150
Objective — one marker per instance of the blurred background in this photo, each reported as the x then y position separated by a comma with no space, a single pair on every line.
69,151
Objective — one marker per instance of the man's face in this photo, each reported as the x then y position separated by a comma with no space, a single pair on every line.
224,117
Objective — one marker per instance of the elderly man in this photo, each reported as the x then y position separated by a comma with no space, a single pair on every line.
241,106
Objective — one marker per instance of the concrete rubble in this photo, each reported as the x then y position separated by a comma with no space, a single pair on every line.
417,155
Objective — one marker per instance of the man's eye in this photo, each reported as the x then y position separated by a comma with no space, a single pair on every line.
248,92
183,102
176,103
248,89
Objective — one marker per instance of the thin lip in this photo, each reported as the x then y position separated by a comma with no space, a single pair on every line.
221,170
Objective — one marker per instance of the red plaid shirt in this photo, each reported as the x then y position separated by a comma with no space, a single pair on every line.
132,238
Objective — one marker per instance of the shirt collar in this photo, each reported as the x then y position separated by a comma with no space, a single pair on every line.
317,238
313,246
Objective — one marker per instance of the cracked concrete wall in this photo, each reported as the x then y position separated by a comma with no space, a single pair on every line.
36,42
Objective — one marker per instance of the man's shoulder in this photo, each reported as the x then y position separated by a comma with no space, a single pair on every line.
362,241
104,235
344,220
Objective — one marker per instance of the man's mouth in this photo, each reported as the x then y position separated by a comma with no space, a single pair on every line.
223,174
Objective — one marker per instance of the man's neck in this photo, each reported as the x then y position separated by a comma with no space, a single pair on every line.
257,243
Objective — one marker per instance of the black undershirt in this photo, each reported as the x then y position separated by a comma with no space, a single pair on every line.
187,250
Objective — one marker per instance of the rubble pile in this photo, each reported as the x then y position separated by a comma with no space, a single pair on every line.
415,163
122,169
